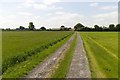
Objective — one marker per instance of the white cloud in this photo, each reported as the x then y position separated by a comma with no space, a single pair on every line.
64,18
11,16
94,4
49,14
25,13
27,3
53,7
50,2
37,17
8,17
43,5
7,20
106,18
108,7
46,7
40,6
107,15
59,12
19,7
14,21
68,19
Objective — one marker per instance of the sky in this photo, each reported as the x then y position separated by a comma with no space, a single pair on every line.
54,13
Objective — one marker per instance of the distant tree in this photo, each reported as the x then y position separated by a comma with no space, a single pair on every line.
69,28
118,27
21,28
96,27
66,29
3,29
112,27
78,27
43,28
87,29
101,28
105,28
49,29
7,29
62,28
31,26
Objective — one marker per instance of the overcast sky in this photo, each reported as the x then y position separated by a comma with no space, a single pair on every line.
54,13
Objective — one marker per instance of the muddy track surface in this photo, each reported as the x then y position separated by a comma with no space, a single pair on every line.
44,68
79,67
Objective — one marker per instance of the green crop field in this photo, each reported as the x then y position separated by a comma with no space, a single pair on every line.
21,47
102,52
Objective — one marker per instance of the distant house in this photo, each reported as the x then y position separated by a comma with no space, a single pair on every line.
17,28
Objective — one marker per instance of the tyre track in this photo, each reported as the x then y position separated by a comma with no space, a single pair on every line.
44,68
79,67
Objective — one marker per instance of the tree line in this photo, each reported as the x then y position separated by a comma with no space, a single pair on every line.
77,27
112,27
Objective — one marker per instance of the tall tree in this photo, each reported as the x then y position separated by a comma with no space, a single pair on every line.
31,26
21,28
112,27
118,27
78,27
62,28
43,28
96,27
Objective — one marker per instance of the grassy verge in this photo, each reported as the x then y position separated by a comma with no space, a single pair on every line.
23,68
64,64
103,63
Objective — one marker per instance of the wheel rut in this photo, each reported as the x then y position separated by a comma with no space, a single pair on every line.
79,67
44,68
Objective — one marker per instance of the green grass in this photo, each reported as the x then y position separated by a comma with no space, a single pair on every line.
102,52
64,64
21,68
0,52
119,54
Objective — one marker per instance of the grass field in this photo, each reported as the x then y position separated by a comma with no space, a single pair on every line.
20,48
23,50
0,52
102,52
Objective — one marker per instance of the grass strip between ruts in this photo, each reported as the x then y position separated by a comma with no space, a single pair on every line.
64,64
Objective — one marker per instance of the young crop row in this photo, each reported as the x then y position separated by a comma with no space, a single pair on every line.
101,54
24,55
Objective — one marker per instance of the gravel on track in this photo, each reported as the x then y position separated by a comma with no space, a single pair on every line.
43,69
79,67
